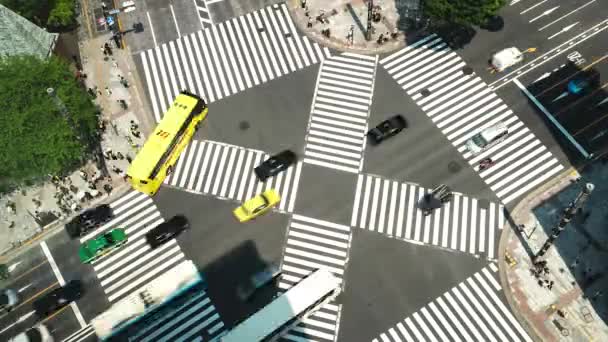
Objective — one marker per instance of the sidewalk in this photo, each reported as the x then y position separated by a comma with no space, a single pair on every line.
565,301
32,211
342,24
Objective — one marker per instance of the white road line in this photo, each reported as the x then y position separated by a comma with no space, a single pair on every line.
532,7
175,21
61,281
151,29
567,14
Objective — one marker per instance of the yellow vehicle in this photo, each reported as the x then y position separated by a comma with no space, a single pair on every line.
157,157
258,205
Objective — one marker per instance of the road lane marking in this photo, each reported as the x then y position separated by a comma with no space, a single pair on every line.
55,268
565,15
538,4
552,119
19,320
30,299
544,14
179,34
29,271
152,29
565,29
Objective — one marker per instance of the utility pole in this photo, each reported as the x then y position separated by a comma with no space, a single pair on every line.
568,215
370,10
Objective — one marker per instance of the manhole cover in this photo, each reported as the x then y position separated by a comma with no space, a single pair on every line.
244,125
467,70
454,167
425,92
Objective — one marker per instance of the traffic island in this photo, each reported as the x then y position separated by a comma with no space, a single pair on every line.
368,27
558,295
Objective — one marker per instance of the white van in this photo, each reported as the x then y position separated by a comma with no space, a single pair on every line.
39,333
487,138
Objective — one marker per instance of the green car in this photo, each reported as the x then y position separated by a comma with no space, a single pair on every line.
95,248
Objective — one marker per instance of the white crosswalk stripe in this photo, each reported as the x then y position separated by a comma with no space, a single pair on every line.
203,12
226,171
471,311
85,334
461,105
313,244
464,224
228,58
338,121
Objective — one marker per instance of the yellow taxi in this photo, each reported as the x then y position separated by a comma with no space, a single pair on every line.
258,205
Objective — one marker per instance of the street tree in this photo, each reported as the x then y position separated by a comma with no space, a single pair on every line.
462,12
37,138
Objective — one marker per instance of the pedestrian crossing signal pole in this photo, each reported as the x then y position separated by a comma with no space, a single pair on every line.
568,215
370,10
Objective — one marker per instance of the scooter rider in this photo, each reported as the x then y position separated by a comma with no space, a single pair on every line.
485,163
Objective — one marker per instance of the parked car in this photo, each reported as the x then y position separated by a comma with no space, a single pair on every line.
167,230
39,333
101,245
387,129
274,165
58,298
258,205
88,220
8,299
487,138
245,291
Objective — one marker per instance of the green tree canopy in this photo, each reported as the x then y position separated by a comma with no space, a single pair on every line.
37,138
465,12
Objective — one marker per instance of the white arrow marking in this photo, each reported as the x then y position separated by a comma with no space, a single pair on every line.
545,13
543,76
602,102
12,267
23,288
533,7
565,29
19,320
564,94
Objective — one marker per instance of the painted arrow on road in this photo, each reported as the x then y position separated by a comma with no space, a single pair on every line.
565,29
543,76
545,13
12,267
602,102
564,94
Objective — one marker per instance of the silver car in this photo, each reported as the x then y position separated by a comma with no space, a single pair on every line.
487,138
8,299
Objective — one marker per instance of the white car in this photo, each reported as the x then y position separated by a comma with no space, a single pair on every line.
39,333
487,138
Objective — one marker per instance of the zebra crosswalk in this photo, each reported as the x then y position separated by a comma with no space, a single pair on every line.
85,334
228,58
313,244
461,105
338,122
464,224
226,171
132,266
471,311
203,12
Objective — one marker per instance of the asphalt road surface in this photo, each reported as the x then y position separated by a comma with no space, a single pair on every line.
345,206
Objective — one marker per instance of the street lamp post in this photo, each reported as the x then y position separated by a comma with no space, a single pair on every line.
566,218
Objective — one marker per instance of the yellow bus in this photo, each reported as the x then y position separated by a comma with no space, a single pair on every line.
157,157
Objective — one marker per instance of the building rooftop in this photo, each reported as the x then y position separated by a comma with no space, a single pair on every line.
18,36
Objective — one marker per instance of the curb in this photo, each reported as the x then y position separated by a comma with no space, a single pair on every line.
523,206
53,228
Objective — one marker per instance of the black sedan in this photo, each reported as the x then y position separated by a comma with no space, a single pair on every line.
89,220
167,230
387,129
274,165
58,298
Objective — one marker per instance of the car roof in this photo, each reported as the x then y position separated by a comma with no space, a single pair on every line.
491,132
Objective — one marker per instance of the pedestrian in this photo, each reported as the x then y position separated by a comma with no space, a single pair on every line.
108,153
107,188
114,64
103,49
309,25
550,286
120,156
114,157
129,160
108,91
83,175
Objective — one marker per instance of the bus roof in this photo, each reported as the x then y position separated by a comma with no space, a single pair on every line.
296,300
182,106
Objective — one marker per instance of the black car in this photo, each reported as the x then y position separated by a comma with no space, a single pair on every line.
89,220
167,230
387,129
58,298
275,164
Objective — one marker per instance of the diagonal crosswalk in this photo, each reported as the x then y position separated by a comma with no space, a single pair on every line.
464,224
338,122
226,171
228,58
313,244
461,104
471,311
